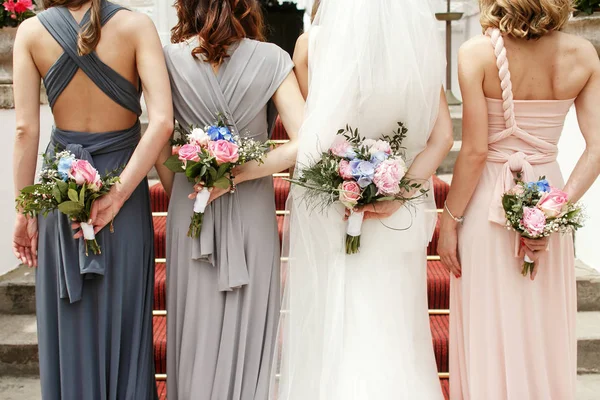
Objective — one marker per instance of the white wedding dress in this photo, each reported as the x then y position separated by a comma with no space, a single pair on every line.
356,327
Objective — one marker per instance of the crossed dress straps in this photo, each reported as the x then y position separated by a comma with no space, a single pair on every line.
517,161
65,30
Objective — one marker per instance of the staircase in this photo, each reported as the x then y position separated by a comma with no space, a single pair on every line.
18,338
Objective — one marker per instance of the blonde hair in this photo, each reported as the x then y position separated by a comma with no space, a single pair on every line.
525,19
315,9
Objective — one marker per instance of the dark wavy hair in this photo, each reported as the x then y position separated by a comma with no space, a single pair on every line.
218,24
90,35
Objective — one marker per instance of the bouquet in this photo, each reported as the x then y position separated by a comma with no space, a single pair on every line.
71,186
357,172
536,210
207,156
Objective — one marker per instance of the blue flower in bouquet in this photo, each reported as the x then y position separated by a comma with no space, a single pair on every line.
363,172
64,167
378,157
219,133
541,186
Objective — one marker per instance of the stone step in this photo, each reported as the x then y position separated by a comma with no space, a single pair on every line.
588,287
28,388
17,291
588,342
17,288
18,344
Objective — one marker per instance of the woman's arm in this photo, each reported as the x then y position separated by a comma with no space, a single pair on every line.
290,105
301,63
26,85
473,154
587,169
152,70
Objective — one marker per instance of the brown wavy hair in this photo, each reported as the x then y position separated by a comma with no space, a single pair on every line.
525,19
90,35
218,24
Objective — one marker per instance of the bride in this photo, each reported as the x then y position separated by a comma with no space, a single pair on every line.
356,327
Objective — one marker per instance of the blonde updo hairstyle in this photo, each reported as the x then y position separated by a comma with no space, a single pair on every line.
525,19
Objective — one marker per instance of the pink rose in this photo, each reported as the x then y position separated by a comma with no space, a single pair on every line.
517,190
23,5
553,203
381,146
340,147
350,193
83,173
175,150
387,177
345,170
224,151
533,221
189,152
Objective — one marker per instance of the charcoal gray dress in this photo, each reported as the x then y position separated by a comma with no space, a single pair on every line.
94,313
223,289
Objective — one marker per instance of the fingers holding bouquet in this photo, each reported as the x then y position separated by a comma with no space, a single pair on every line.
367,176
215,192
536,211
208,157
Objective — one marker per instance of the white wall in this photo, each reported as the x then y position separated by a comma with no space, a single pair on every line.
7,204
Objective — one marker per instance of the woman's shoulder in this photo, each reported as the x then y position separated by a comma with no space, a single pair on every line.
267,49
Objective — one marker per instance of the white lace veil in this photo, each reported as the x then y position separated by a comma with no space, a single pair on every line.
373,63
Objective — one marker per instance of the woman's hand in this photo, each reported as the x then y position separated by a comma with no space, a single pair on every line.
379,210
103,212
448,246
534,248
25,240
215,192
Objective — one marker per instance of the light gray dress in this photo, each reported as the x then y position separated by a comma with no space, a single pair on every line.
223,289
94,313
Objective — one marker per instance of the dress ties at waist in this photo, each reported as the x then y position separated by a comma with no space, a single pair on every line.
73,264
513,164
221,243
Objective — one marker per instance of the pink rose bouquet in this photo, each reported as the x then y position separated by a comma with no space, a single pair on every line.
71,186
536,210
207,157
355,172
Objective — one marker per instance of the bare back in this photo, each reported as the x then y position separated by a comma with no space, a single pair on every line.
83,106
551,68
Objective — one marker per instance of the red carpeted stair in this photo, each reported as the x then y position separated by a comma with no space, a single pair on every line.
438,280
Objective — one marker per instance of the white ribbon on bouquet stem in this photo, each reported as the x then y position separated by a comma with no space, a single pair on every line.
88,231
201,201
355,221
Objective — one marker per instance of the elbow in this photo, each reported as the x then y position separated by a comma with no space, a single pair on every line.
474,156
163,125
25,133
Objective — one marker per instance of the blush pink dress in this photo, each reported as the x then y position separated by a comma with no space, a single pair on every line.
512,338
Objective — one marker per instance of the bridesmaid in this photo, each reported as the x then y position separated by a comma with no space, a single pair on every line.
224,288
94,314
513,337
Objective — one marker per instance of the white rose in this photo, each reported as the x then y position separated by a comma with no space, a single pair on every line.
199,137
